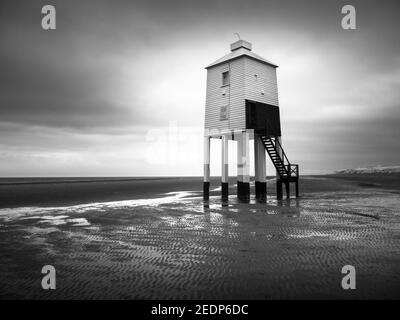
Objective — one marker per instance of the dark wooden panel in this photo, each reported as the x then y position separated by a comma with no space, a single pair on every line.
263,118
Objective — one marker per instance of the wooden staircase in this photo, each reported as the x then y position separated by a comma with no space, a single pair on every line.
288,172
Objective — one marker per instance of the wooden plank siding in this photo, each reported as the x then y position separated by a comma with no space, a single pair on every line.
265,80
243,85
233,98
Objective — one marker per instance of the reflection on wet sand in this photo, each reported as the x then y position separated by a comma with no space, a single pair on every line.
178,246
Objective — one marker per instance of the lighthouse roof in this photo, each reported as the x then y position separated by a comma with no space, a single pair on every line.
239,49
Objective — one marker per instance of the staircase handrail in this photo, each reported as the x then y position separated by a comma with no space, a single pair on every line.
288,167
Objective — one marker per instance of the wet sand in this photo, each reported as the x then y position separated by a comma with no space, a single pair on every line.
161,241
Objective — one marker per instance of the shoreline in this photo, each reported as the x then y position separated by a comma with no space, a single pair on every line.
70,192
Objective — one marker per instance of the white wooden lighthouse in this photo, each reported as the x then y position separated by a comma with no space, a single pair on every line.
242,104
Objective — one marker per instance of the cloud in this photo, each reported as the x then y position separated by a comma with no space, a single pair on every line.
86,96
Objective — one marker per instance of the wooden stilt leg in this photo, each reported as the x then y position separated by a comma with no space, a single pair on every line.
224,169
243,162
287,185
260,169
206,184
279,189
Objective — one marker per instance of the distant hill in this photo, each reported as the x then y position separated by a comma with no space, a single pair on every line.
377,169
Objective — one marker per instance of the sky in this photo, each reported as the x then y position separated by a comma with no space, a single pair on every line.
118,88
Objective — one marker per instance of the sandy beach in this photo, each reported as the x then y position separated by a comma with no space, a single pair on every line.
126,238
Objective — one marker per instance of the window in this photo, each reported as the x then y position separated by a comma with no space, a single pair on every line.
223,113
225,78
